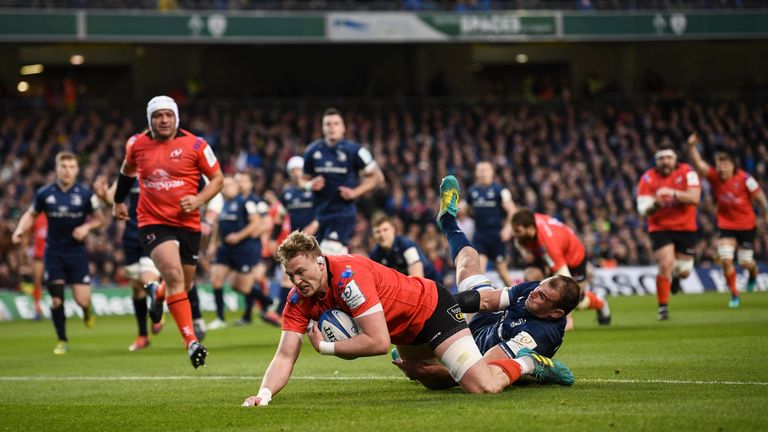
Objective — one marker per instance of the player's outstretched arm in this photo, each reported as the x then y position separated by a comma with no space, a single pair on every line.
279,370
699,164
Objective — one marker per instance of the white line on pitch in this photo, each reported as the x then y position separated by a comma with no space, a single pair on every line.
346,378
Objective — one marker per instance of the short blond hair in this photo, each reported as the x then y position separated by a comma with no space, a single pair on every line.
298,243
65,155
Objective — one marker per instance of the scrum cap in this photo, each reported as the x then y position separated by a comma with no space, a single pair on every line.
159,103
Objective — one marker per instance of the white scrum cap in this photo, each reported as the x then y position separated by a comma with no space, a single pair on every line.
160,103
295,162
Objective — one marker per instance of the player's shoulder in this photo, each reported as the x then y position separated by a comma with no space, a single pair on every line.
81,188
404,242
313,146
351,146
187,138
649,175
684,167
47,189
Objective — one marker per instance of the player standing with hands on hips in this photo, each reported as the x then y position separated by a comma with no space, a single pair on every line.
169,162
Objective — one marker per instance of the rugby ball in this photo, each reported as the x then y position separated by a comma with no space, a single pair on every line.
337,325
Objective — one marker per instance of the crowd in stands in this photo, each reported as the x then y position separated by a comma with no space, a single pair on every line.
414,5
578,163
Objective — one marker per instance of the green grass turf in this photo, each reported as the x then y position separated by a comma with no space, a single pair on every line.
703,370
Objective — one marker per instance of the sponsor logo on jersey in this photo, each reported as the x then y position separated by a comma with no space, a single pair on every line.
352,295
76,200
160,180
176,153
456,313
50,200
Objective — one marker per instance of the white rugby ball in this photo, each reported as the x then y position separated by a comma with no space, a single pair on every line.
337,325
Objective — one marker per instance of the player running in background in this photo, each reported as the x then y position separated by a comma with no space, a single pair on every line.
735,191
68,205
332,166
269,211
139,267
236,244
492,207
532,315
299,203
399,252
168,162
553,248
668,195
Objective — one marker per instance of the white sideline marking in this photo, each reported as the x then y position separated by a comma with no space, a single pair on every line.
343,378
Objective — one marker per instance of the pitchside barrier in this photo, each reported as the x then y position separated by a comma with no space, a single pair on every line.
619,281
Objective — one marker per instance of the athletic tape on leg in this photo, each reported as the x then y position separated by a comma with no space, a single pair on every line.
460,356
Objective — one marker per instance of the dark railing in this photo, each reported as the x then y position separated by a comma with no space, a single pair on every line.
385,5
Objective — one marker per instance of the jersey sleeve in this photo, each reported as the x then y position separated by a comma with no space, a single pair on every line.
712,175
39,205
554,257
364,160
129,149
296,313
644,186
692,179
505,195
752,185
309,162
410,251
358,291
207,161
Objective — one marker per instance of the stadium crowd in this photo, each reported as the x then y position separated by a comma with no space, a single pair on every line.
578,163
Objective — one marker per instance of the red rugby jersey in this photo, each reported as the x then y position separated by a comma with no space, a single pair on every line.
167,171
39,234
734,199
357,284
674,215
555,243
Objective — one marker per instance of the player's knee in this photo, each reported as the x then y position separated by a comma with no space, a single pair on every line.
475,282
56,290
683,268
746,257
725,252
460,357
173,276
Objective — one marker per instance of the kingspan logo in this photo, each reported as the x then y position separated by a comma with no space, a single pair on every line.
160,180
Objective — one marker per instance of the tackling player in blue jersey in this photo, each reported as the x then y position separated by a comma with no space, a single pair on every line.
68,205
492,208
526,321
399,252
332,166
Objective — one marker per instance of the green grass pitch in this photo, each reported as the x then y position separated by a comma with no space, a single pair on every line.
703,370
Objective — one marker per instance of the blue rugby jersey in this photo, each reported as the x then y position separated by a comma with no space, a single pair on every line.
340,166
300,206
403,252
518,326
487,209
66,211
235,216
